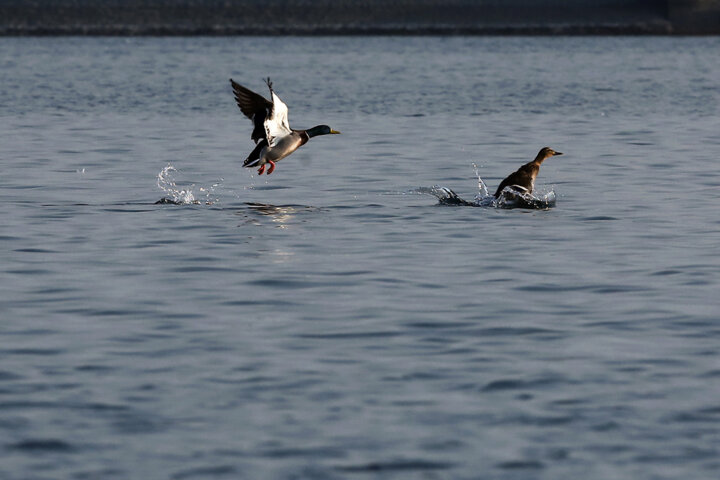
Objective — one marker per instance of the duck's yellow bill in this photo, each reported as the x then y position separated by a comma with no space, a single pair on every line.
334,131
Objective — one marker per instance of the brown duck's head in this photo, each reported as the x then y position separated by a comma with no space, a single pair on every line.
546,152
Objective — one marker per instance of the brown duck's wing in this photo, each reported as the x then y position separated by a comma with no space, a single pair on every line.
253,106
522,178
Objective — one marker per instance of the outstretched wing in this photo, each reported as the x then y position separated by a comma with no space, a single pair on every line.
276,125
255,107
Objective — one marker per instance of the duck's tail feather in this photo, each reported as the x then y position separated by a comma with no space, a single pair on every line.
253,160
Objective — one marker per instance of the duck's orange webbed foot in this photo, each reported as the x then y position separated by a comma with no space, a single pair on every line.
261,170
272,167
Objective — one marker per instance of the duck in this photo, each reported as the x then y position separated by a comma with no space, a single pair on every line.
273,137
523,179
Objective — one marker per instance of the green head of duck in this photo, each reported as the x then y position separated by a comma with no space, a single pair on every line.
321,130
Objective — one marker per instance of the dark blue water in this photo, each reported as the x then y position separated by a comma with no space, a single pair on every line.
328,321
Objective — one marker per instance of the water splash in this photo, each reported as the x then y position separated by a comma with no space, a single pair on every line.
482,188
510,198
184,195
444,195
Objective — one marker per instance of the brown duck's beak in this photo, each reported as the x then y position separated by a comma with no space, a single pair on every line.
557,153
334,131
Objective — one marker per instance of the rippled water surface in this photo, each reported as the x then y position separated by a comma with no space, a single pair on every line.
329,321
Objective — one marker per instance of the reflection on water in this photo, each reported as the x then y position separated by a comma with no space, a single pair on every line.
281,216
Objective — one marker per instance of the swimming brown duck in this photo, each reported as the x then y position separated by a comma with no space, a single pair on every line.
523,179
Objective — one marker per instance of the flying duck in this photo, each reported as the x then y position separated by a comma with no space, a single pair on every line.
523,180
274,139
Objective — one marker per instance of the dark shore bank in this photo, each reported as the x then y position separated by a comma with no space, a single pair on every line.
325,17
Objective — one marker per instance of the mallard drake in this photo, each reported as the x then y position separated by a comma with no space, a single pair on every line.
523,179
274,139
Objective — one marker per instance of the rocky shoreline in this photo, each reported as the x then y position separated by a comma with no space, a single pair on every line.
359,17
